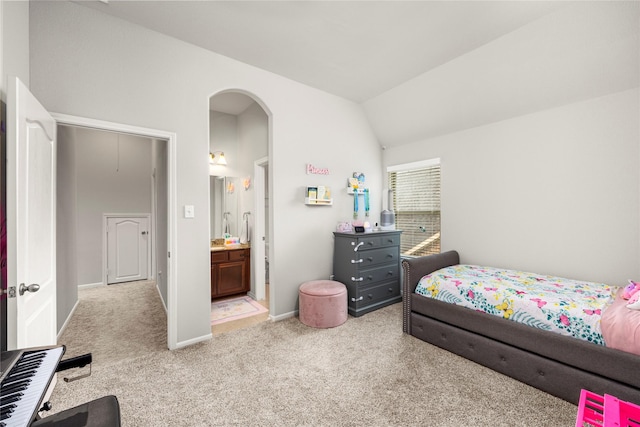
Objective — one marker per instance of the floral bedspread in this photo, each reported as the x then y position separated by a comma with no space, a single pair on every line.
565,306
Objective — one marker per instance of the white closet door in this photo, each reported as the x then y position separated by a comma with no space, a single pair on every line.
127,249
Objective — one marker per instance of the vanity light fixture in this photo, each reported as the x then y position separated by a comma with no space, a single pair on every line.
217,158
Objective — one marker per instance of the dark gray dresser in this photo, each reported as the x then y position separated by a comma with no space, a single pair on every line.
369,265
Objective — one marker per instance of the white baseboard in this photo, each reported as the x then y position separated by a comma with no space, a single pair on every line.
284,316
161,299
187,343
91,285
68,319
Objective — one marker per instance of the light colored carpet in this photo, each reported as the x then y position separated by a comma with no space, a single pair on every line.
363,373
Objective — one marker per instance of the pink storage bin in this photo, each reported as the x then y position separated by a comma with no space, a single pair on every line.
606,411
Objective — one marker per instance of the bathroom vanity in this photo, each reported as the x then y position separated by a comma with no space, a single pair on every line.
230,270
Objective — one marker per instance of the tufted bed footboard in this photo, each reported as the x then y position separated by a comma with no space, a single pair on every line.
556,364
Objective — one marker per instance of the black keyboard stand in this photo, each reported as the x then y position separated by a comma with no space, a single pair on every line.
75,362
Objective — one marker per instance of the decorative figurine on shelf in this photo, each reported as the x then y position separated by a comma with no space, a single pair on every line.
355,204
366,202
353,183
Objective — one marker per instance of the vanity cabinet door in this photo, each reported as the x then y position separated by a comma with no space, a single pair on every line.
230,278
230,271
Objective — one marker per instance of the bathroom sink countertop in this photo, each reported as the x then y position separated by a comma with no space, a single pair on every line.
230,247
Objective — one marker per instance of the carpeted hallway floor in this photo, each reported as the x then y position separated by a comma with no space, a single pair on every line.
363,373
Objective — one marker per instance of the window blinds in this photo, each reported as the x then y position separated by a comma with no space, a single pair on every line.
416,203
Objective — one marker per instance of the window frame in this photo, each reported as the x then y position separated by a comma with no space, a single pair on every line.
435,235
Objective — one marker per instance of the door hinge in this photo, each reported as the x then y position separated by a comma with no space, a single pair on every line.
168,254
11,291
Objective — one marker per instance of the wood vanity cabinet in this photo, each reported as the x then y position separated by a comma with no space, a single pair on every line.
230,272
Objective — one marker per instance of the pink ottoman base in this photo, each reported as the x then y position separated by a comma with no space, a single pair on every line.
323,303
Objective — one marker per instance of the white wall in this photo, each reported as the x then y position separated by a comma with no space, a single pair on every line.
113,176
66,221
15,42
552,184
88,64
554,192
223,136
253,143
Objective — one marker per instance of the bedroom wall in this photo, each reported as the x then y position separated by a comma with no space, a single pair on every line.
15,42
554,192
552,184
89,64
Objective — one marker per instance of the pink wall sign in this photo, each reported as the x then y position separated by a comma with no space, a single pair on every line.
316,171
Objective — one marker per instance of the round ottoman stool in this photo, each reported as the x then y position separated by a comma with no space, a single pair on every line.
323,303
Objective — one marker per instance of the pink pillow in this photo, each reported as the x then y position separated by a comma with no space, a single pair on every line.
621,326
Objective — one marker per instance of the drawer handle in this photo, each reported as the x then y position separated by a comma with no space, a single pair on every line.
370,277
356,261
389,255
359,299
389,273
359,279
370,296
357,246
390,290
370,259
370,243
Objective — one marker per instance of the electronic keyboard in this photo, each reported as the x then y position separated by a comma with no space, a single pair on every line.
25,377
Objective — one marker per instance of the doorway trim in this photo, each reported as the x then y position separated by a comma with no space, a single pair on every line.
260,228
171,138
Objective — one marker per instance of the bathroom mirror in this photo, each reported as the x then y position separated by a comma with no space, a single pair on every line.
224,206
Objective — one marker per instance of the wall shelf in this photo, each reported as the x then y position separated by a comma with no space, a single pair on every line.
318,202
318,195
350,190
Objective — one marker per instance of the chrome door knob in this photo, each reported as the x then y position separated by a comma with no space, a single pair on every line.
31,288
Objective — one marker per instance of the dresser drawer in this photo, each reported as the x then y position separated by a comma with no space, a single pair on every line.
238,255
378,274
219,256
365,242
359,261
374,257
367,296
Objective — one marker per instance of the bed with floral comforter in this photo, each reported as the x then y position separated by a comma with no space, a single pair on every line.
565,306
531,327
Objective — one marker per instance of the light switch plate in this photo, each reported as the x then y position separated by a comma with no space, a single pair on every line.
189,211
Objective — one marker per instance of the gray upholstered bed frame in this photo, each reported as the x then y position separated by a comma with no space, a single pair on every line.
556,364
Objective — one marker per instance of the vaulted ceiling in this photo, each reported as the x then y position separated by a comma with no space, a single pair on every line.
354,49
419,68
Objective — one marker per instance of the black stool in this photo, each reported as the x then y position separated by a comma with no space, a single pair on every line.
103,412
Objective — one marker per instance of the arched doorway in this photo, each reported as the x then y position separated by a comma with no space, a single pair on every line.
240,132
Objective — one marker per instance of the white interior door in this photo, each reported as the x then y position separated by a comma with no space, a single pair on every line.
127,249
31,220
